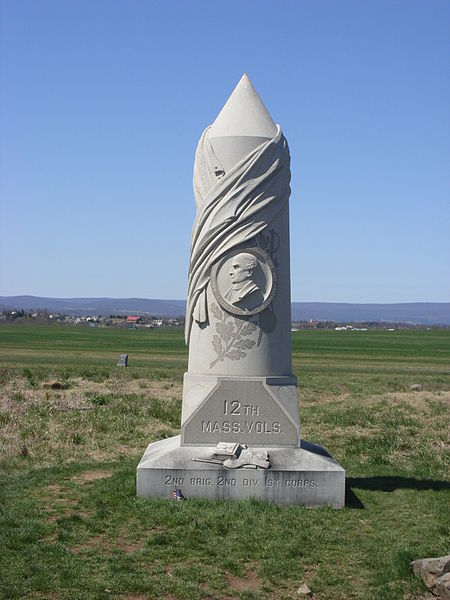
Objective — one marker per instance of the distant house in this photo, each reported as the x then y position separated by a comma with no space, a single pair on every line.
133,320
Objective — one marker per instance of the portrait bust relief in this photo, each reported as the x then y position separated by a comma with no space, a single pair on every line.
244,291
243,281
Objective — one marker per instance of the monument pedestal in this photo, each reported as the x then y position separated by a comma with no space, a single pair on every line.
307,475
257,411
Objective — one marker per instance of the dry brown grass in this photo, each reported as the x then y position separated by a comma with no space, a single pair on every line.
89,476
16,397
51,425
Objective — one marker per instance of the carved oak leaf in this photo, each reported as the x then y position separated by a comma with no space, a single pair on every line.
216,311
231,340
245,344
235,354
229,330
220,328
248,328
217,344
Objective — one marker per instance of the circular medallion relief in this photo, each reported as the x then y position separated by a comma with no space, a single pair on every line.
244,281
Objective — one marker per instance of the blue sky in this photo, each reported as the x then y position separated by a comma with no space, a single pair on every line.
103,102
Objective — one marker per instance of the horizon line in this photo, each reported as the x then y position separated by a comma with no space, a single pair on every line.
184,300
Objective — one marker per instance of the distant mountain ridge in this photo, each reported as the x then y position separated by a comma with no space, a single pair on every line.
423,313
96,306
420,313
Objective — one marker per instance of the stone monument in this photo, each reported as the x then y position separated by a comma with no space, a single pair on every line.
240,427
123,360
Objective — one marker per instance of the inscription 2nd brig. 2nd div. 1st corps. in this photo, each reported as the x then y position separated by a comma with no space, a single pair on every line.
237,409
222,480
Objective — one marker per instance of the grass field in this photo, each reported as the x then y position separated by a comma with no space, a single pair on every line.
73,427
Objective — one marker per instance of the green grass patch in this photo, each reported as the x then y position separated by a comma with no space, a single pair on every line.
70,523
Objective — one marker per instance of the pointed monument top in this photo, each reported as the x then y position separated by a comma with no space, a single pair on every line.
244,114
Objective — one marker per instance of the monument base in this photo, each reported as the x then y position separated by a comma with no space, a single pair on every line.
307,475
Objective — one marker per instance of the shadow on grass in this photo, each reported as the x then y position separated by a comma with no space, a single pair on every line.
388,484
351,499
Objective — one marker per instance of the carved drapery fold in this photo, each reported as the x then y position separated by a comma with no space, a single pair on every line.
232,210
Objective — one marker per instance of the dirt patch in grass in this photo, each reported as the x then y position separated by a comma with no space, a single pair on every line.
89,476
142,597
57,504
137,597
251,581
108,545
84,514
53,488
126,545
51,538
98,542
129,547
55,495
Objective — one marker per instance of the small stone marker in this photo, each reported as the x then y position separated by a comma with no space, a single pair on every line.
123,360
240,426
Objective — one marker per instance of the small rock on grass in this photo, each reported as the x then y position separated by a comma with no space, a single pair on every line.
442,586
432,571
304,590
